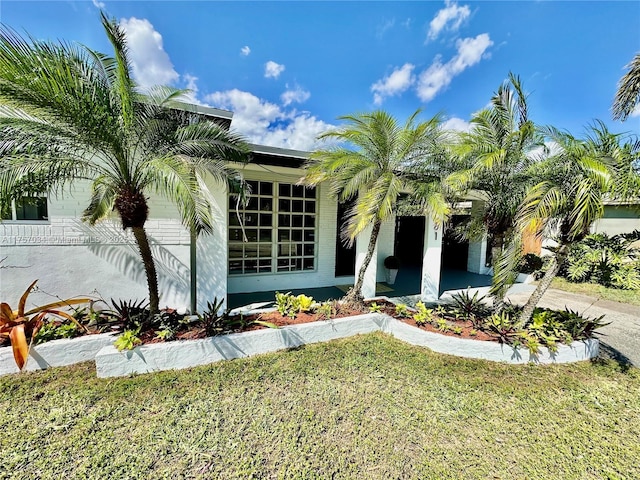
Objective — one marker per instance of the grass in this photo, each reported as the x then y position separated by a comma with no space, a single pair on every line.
366,407
598,291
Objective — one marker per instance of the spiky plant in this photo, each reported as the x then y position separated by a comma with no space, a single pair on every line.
628,93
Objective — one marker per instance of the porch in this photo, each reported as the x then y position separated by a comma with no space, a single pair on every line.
407,284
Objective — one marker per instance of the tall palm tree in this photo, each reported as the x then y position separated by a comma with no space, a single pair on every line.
579,179
628,93
496,155
70,114
389,160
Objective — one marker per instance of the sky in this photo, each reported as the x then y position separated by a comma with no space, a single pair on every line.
289,69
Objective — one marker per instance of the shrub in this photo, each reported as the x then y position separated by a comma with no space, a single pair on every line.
128,340
402,310
470,308
22,327
609,261
423,315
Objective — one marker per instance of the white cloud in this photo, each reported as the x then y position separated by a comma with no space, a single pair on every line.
456,124
449,18
266,123
296,94
245,50
98,4
273,69
635,112
397,82
151,64
439,75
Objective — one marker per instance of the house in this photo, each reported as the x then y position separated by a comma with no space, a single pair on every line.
285,238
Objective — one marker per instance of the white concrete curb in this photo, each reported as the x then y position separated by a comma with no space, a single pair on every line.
57,353
189,353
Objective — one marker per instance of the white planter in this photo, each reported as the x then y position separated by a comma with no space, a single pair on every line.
494,351
57,353
189,353
392,273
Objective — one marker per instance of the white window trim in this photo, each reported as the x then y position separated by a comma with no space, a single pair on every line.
14,213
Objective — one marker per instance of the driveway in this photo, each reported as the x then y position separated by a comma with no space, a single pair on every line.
619,340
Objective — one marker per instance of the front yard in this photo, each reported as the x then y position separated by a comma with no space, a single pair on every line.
364,407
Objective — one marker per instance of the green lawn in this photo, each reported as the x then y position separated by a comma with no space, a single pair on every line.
598,291
367,407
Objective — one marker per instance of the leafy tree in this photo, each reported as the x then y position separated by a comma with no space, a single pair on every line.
628,93
496,156
71,114
389,160
578,181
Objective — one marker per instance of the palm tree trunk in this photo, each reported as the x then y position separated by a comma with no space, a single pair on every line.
356,291
543,285
497,245
149,267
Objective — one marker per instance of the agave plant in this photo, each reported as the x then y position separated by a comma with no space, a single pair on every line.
21,327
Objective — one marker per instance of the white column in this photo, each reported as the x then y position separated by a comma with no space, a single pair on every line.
431,261
369,284
476,260
212,253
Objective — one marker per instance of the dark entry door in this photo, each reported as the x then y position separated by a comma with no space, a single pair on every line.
455,250
345,256
409,245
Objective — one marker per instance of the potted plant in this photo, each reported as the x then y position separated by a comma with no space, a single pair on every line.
392,264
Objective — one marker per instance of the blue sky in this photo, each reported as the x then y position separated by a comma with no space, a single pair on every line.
289,69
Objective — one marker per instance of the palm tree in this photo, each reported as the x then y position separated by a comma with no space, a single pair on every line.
390,160
70,114
579,179
628,93
496,156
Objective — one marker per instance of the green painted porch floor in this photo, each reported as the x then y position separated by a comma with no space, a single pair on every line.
407,283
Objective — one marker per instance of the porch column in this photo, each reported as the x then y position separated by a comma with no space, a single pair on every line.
431,261
476,260
369,283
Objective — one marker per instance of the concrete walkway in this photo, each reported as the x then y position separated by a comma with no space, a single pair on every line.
620,339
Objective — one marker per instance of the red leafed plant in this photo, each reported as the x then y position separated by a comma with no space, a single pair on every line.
21,327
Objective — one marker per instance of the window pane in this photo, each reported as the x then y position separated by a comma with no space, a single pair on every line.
310,206
233,219
284,220
265,204
297,206
284,190
251,219
296,264
266,219
297,191
296,235
251,266
308,263
296,221
309,249
250,251
253,185
235,235
284,205
252,234
266,188
236,251
265,235
283,235
235,266
283,250
31,208
309,221
309,236
264,250
252,204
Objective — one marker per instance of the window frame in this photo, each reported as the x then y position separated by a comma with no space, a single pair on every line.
14,217
275,228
